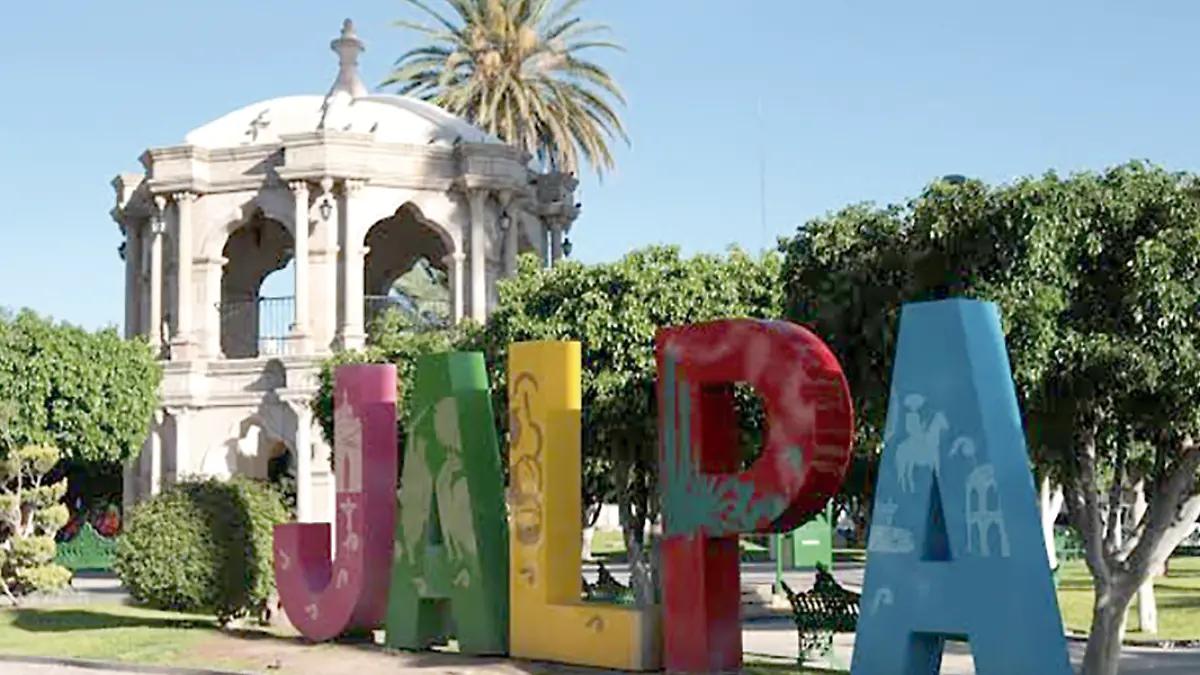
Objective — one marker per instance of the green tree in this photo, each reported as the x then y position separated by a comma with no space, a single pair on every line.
393,338
89,393
845,277
1098,283
614,310
31,512
422,295
516,69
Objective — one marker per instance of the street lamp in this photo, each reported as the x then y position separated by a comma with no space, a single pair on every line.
325,209
566,247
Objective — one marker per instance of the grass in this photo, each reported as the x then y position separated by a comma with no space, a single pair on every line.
1178,597
122,634
751,668
608,546
1178,594
135,635
107,633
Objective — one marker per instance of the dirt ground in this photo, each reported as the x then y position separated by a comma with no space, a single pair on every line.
261,652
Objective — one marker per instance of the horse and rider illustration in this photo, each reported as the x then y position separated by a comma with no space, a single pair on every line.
922,448
922,445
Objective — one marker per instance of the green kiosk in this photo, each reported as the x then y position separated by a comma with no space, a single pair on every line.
805,547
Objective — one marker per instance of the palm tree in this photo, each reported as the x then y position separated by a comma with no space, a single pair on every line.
514,68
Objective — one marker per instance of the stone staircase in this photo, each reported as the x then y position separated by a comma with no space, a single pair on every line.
759,601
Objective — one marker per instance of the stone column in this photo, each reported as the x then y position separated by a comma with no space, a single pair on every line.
183,456
157,229
211,322
300,325
556,242
129,254
353,334
454,274
477,200
303,452
511,231
129,485
331,262
154,446
184,292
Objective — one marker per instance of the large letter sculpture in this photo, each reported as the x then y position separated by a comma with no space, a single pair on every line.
450,546
706,503
549,619
955,547
325,598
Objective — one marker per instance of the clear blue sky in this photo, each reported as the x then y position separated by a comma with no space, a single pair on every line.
860,101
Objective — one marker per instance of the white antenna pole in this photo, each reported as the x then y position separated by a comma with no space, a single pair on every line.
762,177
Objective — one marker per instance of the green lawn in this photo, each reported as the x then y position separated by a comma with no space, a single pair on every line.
1178,597
116,633
610,547
107,633
751,668
133,635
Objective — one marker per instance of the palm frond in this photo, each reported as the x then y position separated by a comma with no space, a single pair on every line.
514,68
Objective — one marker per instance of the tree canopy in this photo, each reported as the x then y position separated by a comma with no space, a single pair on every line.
614,309
516,69
1097,278
89,393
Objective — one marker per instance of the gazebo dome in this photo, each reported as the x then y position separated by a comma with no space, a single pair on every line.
348,106
387,117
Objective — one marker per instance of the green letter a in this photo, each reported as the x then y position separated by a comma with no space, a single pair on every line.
451,551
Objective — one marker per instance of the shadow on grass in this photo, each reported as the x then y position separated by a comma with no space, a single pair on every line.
36,620
1186,601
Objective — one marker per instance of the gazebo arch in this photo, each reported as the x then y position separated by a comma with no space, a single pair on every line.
395,246
253,325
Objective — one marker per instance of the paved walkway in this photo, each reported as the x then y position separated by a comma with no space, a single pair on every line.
768,637
777,638
849,575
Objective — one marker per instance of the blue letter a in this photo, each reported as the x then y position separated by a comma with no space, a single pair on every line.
955,547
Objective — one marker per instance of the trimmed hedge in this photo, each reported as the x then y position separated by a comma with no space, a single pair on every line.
203,547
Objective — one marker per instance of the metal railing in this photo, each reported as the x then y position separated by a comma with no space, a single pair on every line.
416,313
256,327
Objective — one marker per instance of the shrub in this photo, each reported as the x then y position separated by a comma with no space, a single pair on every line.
30,515
203,546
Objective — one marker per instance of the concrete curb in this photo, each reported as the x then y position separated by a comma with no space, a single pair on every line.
1165,645
112,667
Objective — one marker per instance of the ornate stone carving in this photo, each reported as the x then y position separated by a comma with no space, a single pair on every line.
258,125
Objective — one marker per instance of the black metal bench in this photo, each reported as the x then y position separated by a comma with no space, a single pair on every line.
607,589
822,611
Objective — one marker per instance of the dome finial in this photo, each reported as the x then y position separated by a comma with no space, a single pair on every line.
347,46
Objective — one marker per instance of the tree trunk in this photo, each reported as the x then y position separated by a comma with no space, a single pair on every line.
633,529
1103,654
590,515
861,515
1146,603
589,533
1052,503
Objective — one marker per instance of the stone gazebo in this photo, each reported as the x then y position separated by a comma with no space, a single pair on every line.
375,183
